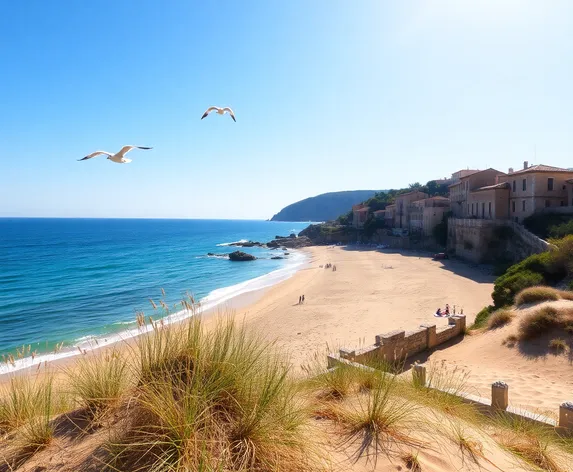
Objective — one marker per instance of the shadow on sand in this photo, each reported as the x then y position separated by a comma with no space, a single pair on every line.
478,273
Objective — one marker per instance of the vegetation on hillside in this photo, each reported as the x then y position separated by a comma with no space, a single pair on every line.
530,280
549,225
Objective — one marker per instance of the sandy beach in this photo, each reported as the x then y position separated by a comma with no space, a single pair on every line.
370,293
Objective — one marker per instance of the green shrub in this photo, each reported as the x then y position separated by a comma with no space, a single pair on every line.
536,294
508,285
482,317
561,230
545,224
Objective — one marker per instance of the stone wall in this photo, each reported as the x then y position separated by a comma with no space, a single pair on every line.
399,345
488,241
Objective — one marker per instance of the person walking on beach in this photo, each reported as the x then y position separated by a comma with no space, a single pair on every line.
303,299
299,299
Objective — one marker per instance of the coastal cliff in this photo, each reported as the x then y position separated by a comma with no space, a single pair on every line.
324,207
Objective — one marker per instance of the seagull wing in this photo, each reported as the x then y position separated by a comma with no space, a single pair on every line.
94,154
209,110
126,149
228,110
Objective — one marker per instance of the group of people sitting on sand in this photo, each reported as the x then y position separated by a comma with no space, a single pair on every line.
447,312
330,266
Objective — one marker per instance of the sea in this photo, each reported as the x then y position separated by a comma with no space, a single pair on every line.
78,283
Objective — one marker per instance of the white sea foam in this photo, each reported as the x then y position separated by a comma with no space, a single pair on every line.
234,242
211,301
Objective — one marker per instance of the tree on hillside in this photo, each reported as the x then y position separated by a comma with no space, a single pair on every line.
415,186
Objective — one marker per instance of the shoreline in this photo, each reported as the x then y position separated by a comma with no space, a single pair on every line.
370,293
240,296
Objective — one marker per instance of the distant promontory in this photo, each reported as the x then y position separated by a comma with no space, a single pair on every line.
324,207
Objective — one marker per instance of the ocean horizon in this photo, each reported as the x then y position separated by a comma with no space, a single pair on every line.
75,282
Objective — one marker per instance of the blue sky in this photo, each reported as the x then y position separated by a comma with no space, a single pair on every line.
329,95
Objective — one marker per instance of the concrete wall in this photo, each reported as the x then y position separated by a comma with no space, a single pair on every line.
399,345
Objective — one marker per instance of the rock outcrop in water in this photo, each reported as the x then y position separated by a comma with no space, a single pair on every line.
241,256
290,242
247,244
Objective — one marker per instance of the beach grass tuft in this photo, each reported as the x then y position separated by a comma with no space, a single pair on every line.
212,400
98,381
379,420
537,294
542,320
558,345
535,444
500,318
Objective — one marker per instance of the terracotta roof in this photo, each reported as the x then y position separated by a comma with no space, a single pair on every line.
541,168
359,207
377,212
492,187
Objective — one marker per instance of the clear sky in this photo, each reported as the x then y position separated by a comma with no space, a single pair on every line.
329,95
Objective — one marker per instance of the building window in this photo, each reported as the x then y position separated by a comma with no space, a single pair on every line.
523,205
483,210
468,208
562,203
550,183
513,206
514,185
472,209
489,204
547,203
524,185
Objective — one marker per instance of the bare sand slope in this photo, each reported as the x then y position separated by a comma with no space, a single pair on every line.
538,378
371,292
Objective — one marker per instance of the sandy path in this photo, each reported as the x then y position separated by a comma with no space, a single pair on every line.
371,292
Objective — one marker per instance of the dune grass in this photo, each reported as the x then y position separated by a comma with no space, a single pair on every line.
536,295
98,381
558,345
26,408
412,462
533,443
500,318
216,400
379,420
542,320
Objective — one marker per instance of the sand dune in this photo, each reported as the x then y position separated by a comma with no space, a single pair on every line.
537,378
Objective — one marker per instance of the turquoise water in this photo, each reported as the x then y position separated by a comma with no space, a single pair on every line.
72,279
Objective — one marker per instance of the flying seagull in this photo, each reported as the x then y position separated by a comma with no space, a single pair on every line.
220,111
118,157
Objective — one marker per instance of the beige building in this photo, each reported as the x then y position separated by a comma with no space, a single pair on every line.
490,202
401,217
460,190
359,215
390,215
537,187
425,214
